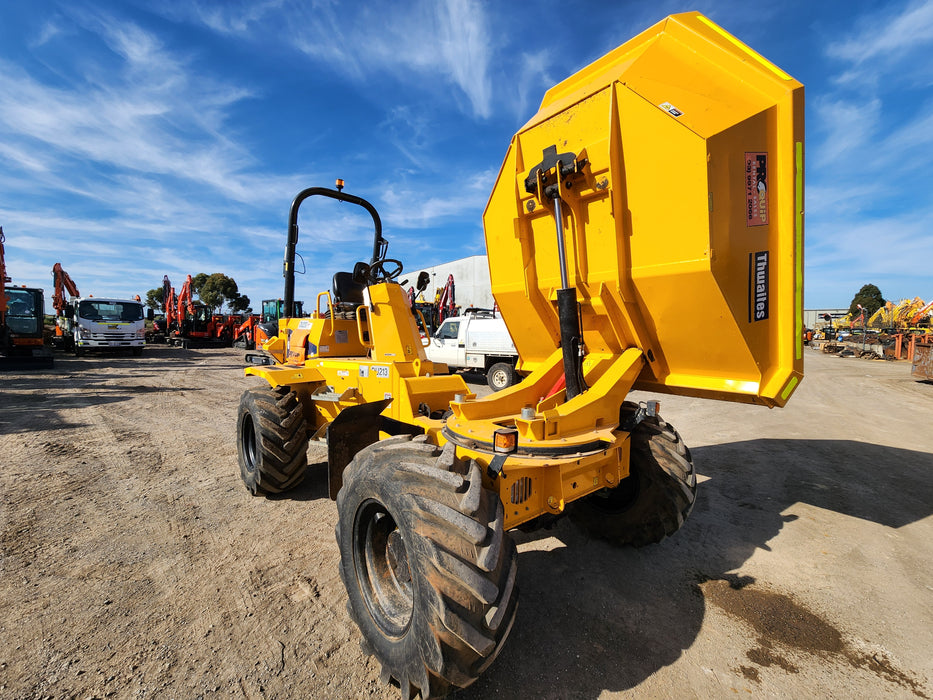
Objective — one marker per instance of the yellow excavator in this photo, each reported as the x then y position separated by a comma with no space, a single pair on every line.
668,174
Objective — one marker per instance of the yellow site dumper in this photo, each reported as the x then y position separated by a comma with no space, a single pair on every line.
645,232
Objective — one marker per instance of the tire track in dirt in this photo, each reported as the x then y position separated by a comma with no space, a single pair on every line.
171,579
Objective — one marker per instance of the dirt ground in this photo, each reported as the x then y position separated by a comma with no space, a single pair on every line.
134,564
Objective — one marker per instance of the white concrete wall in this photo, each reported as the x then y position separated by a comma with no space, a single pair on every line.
471,281
812,317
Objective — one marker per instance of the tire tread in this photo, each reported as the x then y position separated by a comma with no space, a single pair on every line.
464,561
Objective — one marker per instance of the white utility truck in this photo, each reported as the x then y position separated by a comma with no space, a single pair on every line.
478,340
97,323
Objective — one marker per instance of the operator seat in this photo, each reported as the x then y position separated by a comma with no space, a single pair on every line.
346,291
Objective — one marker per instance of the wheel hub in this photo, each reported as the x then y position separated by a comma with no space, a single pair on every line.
250,449
398,557
382,568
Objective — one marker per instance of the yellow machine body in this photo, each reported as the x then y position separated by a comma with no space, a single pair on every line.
336,363
682,229
684,233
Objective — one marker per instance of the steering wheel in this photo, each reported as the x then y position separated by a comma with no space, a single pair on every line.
384,270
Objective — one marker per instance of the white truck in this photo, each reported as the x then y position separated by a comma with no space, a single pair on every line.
97,323
477,340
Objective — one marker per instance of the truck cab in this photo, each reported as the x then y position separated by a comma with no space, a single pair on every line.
21,331
98,323
478,340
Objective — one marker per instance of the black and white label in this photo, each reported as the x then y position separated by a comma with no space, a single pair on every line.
670,109
758,286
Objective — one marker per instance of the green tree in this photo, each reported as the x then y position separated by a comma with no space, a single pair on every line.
198,281
215,290
869,296
239,304
154,298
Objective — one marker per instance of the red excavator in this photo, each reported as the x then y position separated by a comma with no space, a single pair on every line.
64,332
922,317
244,335
446,306
434,314
22,313
191,323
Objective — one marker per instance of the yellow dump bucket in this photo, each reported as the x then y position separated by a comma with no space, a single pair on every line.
683,231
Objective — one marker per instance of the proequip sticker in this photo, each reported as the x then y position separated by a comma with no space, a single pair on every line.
304,325
756,189
757,286
670,109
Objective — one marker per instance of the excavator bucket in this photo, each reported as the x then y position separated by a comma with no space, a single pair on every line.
680,218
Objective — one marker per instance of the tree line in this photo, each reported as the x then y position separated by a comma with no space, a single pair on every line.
212,290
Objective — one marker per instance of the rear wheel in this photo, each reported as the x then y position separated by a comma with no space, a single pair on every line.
272,440
429,571
653,501
500,376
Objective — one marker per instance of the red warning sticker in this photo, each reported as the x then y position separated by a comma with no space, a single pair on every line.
756,188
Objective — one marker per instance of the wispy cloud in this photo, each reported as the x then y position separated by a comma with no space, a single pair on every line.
869,219
848,127
414,43
151,115
534,78
234,17
50,29
891,33
407,208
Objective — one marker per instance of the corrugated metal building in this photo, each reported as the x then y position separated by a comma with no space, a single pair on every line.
813,318
471,281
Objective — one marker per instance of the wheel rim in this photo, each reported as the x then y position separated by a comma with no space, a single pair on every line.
382,569
499,378
250,448
617,500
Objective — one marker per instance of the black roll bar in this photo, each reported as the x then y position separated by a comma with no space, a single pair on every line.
288,268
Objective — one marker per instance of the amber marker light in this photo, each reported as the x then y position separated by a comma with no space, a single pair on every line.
339,184
505,440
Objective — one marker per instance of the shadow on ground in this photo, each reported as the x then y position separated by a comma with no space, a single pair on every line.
593,617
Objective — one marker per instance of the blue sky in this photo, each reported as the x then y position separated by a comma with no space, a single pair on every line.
139,139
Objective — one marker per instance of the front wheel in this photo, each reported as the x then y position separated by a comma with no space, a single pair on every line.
653,501
429,571
272,440
501,376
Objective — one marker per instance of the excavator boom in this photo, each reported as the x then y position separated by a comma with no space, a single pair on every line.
4,280
63,283
921,314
